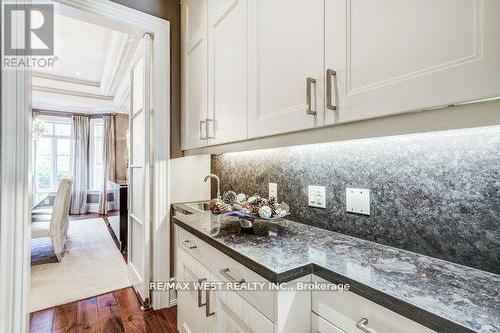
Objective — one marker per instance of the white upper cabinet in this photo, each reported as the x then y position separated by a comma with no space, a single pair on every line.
255,68
228,70
194,73
392,56
286,44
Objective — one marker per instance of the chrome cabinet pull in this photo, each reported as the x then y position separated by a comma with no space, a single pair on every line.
210,124
208,313
225,273
187,241
362,325
200,281
329,74
203,127
311,109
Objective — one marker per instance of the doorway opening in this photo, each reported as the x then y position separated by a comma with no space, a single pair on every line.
80,161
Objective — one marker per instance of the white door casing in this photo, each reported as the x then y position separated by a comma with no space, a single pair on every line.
394,56
16,187
139,220
16,180
286,47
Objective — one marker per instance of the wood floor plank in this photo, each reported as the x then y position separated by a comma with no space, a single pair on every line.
157,323
87,319
42,321
109,315
65,318
115,312
170,314
133,319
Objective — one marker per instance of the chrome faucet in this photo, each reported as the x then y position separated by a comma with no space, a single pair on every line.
218,183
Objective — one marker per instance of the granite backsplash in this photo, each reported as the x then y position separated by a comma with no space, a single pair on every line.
434,193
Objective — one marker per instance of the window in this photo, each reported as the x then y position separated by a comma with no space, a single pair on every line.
96,154
52,160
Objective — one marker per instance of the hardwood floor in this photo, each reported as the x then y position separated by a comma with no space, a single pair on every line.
118,311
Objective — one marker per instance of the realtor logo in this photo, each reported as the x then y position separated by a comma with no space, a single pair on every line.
34,24
28,36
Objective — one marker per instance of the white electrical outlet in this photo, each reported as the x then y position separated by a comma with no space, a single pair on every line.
316,196
357,200
273,191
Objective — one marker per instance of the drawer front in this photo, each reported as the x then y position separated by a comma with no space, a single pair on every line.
320,325
194,246
235,314
346,310
229,270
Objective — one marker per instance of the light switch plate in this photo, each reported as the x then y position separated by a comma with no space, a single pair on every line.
316,196
357,200
273,190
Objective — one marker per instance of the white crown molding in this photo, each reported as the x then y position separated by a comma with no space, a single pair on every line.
67,79
113,58
71,93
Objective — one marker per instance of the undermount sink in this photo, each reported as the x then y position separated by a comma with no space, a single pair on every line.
201,206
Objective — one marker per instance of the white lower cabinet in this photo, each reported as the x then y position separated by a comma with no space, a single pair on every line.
192,316
277,311
352,313
228,311
320,325
232,314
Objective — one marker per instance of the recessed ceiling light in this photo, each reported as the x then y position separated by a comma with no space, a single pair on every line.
78,73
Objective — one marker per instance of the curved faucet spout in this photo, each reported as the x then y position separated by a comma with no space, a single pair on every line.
218,183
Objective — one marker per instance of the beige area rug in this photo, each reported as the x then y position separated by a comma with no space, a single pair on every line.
92,265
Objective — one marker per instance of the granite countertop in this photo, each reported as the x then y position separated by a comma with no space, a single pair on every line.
441,295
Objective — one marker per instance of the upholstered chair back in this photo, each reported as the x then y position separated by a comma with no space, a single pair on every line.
60,212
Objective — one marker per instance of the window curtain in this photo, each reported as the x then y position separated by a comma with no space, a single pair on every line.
108,172
80,137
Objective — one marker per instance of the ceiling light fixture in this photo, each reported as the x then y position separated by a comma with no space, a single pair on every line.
78,73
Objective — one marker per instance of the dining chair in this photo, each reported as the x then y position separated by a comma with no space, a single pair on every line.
57,227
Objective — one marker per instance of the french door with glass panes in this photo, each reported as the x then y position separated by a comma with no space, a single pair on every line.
140,172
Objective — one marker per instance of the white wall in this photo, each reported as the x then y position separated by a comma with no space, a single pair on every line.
186,178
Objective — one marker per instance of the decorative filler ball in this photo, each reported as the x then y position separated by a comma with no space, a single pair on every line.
254,205
218,206
241,197
265,212
229,197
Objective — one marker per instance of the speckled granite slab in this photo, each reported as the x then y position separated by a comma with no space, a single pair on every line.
441,295
436,194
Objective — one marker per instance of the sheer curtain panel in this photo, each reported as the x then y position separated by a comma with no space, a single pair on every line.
108,172
80,136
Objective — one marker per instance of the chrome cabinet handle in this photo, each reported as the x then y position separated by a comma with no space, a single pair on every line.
187,241
225,273
310,108
210,124
208,313
203,127
329,74
200,304
361,324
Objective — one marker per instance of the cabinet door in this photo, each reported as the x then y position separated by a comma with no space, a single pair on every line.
191,303
235,315
287,47
393,56
194,73
228,70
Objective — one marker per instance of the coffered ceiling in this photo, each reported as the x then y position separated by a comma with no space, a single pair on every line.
92,62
